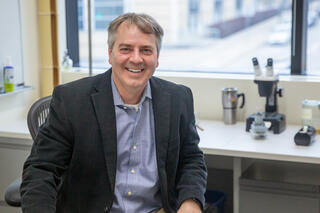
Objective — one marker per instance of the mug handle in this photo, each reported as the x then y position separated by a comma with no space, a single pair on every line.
243,99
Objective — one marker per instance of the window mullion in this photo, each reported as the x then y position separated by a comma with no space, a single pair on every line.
299,37
72,31
89,38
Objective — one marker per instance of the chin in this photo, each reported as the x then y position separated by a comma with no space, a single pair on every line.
137,84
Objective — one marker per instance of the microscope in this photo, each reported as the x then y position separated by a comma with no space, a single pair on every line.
268,87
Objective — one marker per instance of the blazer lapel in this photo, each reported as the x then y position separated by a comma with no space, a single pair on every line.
161,102
104,108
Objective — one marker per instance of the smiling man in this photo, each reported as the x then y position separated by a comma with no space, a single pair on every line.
122,141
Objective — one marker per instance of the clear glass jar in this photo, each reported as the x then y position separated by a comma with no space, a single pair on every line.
310,113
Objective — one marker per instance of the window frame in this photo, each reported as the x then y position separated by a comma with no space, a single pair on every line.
72,31
299,37
299,32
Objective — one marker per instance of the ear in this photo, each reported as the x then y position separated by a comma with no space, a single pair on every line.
110,55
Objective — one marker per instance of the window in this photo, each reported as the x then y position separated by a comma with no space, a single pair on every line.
209,35
313,45
103,12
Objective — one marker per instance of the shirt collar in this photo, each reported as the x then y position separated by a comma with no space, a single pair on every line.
117,98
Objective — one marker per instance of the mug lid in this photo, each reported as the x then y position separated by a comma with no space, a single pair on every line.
229,89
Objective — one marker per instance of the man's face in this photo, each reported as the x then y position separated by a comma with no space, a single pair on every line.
133,57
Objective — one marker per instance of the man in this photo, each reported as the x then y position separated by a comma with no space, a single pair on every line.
122,141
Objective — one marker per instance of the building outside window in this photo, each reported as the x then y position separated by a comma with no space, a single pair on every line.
103,12
208,35
193,16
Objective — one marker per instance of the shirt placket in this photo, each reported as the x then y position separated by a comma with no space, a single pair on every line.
134,160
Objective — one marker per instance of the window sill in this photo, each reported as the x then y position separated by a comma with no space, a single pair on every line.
234,76
17,90
210,75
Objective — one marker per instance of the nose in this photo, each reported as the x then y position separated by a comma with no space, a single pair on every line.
135,57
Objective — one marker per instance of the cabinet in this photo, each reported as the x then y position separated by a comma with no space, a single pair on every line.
13,154
277,187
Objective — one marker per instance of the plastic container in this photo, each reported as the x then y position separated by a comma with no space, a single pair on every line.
216,198
8,75
1,81
67,63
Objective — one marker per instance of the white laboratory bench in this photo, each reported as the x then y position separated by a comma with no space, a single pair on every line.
15,133
233,141
216,139
14,129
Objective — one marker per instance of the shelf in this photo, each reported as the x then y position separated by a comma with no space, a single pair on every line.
17,90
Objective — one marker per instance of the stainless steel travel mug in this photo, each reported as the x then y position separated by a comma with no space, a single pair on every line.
230,101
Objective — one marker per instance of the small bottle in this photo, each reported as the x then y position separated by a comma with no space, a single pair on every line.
8,76
1,81
67,63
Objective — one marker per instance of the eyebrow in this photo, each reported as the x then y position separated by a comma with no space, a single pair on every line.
148,46
128,45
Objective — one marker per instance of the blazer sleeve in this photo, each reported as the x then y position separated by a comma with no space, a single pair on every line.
192,171
49,158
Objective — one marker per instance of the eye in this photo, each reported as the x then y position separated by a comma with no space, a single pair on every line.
147,51
124,50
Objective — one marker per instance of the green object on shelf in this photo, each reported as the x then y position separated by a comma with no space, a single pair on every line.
8,76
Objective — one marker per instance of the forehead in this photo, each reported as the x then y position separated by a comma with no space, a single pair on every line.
130,33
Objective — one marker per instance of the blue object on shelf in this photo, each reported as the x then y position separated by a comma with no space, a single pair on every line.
216,198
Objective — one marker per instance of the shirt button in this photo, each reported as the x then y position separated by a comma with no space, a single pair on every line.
129,193
134,147
132,171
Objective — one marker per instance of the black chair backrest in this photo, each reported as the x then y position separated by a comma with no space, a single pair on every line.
37,115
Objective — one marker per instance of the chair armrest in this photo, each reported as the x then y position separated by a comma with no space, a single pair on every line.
12,194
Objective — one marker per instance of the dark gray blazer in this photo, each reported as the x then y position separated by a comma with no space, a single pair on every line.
72,165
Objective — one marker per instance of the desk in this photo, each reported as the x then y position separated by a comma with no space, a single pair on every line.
216,139
232,140
15,134
15,129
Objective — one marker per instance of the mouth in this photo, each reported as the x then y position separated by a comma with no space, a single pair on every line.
135,70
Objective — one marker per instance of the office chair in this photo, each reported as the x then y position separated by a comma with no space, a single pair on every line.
37,115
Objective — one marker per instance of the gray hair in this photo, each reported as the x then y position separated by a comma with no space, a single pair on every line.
144,22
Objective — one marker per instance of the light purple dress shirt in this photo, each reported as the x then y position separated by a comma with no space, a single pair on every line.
137,182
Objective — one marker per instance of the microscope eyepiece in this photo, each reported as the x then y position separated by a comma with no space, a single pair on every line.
269,62
255,61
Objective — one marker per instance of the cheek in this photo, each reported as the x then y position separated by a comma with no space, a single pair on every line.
156,61
120,59
153,62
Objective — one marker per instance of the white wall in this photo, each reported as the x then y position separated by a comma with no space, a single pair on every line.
16,105
207,95
207,92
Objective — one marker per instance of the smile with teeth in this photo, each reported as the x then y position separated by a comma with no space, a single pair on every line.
134,70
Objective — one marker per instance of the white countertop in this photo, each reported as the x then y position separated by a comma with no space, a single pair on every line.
15,134
219,139
14,129
232,140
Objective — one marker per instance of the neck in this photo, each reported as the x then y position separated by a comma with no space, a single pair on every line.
131,97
